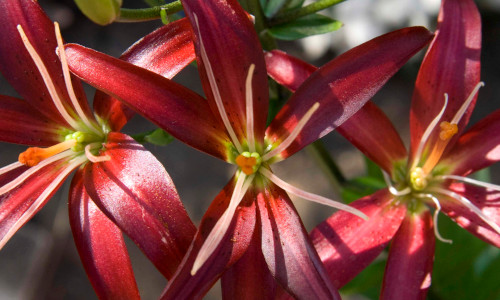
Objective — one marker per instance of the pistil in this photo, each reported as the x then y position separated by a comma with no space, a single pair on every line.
248,162
34,155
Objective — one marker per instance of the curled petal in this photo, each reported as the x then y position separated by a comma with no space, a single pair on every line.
21,124
409,266
451,65
347,244
488,201
17,65
477,148
165,51
134,191
289,254
231,248
178,110
101,246
343,85
287,70
226,46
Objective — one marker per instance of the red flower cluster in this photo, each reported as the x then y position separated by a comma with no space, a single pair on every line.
251,235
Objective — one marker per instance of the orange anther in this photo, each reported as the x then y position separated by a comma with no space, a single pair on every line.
246,164
34,155
448,130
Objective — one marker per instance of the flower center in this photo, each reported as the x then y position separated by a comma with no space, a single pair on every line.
248,162
85,133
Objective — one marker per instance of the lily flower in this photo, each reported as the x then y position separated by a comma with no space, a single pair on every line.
431,177
251,234
118,186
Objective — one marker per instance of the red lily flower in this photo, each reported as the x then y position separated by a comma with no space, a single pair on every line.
118,186
432,175
252,225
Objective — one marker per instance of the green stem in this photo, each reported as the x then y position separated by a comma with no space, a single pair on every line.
303,11
147,14
253,6
318,151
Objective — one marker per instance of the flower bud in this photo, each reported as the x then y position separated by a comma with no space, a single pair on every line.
102,12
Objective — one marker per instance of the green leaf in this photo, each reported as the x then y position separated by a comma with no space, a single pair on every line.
159,137
156,137
294,4
271,7
304,27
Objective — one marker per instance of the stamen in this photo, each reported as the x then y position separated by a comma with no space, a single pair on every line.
249,110
41,199
215,90
69,84
92,157
466,202
435,217
21,178
220,228
467,103
34,155
47,80
470,180
295,132
392,188
427,133
309,196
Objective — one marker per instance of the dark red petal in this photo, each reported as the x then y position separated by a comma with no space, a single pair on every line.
134,191
231,248
486,200
409,266
16,64
287,70
476,149
287,250
452,65
383,146
347,244
20,204
165,51
249,278
231,45
343,86
373,133
21,124
101,246
178,110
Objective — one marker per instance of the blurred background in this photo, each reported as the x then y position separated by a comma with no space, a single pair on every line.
41,261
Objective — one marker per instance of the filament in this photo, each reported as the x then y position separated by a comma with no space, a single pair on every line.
466,202
69,84
215,90
21,178
435,216
470,180
41,199
93,158
249,109
309,196
291,137
11,167
220,228
47,80
466,104
392,188
427,133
